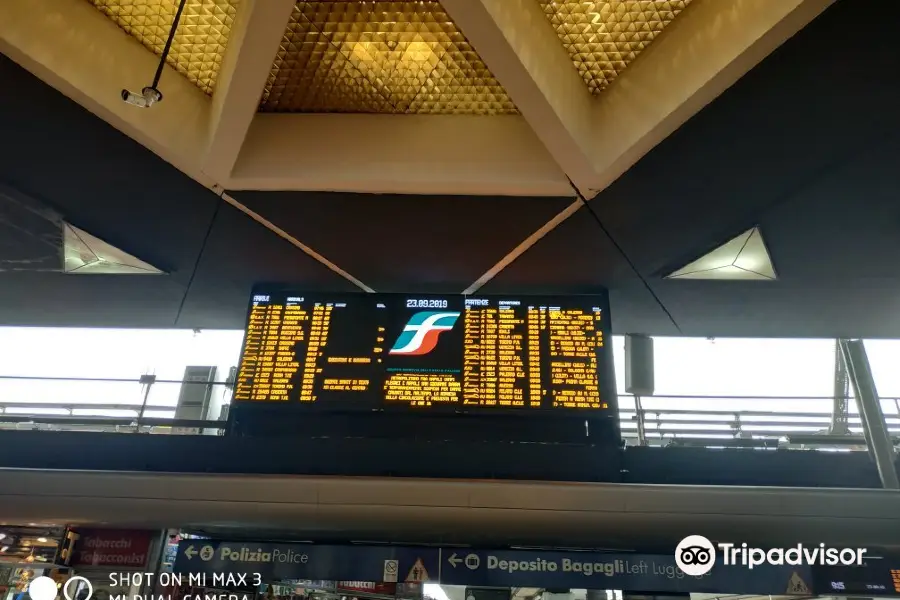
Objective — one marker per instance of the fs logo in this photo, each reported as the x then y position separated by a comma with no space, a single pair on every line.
695,555
420,335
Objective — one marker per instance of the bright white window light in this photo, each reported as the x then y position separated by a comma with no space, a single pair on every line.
433,590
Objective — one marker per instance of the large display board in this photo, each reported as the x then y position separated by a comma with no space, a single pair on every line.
378,351
877,577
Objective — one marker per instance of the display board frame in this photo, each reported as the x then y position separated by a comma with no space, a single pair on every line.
605,365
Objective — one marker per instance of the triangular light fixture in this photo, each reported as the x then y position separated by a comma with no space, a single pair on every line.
86,254
744,258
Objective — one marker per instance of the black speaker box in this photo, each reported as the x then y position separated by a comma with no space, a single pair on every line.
639,365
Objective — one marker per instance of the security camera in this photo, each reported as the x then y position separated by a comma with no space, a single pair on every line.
147,98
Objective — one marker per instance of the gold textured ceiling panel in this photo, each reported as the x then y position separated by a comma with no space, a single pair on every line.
199,42
359,56
602,38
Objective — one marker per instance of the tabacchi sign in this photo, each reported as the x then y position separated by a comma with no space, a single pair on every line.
112,548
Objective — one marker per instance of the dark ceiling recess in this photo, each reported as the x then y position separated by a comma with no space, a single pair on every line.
238,254
407,243
577,257
805,146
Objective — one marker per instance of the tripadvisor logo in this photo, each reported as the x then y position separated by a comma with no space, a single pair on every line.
696,555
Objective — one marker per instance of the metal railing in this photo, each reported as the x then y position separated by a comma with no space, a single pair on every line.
151,411
679,426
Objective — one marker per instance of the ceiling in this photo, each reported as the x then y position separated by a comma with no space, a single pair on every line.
498,97
387,57
484,198
482,512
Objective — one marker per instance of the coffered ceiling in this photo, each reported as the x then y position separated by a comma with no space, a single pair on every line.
378,56
508,97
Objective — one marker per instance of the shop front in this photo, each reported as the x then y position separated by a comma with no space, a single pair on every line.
26,552
114,561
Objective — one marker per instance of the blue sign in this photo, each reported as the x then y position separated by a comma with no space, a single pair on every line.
478,568
600,571
280,562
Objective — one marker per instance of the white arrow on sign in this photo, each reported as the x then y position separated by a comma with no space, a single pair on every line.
190,552
454,560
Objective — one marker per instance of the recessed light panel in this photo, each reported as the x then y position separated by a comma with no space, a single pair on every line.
743,258
89,255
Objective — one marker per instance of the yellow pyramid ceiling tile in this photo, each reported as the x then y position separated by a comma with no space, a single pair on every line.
392,56
199,42
603,37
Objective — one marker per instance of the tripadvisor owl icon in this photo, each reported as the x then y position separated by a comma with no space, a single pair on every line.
695,555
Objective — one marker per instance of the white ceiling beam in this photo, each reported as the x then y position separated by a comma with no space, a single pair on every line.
74,48
252,45
521,49
399,154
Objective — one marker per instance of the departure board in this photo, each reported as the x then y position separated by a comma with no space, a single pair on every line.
463,353
876,577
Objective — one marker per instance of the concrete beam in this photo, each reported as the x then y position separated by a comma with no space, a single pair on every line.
255,36
399,154
523,52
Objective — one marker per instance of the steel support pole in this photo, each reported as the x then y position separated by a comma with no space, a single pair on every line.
874,425
839,413
146,382
641,422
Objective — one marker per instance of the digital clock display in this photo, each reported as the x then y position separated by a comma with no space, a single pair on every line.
427,303
460,353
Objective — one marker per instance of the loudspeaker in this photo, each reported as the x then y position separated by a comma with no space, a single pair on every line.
639,365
